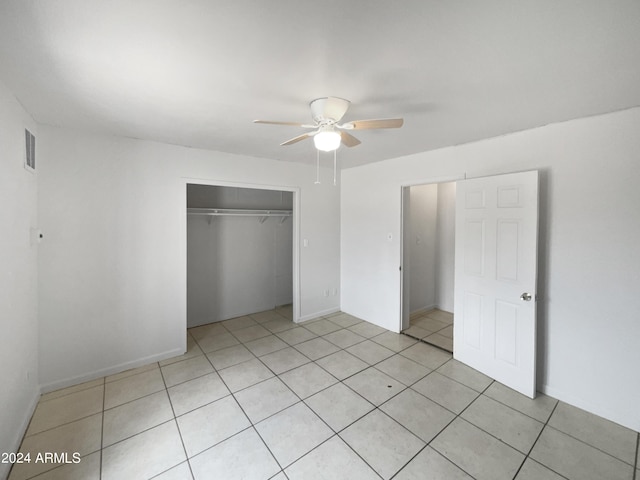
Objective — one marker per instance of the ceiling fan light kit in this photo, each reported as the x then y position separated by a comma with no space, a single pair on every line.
326,112
327,139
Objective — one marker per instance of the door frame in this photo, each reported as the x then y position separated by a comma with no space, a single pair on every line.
404,212
295,218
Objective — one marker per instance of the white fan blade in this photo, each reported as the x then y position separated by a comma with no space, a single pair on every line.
371,124
291,124
349,140
297,139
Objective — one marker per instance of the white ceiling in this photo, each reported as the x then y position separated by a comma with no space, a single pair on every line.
197,72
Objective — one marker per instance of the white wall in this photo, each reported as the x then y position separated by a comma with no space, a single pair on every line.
18,277
423,244
446,243
589,266
238,265
283,261
113,266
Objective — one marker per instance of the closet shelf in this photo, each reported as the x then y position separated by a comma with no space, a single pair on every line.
238,212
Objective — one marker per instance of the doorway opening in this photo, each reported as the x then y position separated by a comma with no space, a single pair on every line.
428,262
241,252
495,271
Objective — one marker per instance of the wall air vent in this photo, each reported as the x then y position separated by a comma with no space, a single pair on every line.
30,150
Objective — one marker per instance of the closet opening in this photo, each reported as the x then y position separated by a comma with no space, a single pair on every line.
241,252
428,255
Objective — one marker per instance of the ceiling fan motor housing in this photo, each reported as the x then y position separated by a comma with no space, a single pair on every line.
328,110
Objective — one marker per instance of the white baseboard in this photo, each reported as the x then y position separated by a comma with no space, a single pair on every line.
19,434
304,318
629,419
103,372
199,323
423,309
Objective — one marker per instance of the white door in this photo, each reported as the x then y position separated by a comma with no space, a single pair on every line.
495,277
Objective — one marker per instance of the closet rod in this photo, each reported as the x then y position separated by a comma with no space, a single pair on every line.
238,212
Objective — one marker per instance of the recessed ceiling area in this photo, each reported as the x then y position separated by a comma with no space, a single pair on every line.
198,73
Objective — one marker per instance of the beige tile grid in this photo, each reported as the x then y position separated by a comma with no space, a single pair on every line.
260,397
432,326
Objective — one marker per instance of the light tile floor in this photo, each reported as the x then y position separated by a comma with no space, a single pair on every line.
259,397
434,327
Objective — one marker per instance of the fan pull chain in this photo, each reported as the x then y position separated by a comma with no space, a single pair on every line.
335,162
317,182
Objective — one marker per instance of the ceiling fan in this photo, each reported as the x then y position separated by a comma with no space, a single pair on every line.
328,134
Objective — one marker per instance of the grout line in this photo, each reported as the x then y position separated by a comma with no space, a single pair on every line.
423,340
104,401
336,433
141,432
637,466
216,444
301,400
413,457
175,420
456,415
356,453
521,412
459,415
536,441
67,423
178,425
589,445
438,453
545,467
253,426
546,423
63,425
280,472
261,439
166,390
375,407
171,468
516,410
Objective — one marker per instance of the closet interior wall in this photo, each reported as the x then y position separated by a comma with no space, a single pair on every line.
237,265
431,246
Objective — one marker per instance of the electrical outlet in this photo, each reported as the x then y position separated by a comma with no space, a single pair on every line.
326,293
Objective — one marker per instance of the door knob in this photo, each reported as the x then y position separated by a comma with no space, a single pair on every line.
525,297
